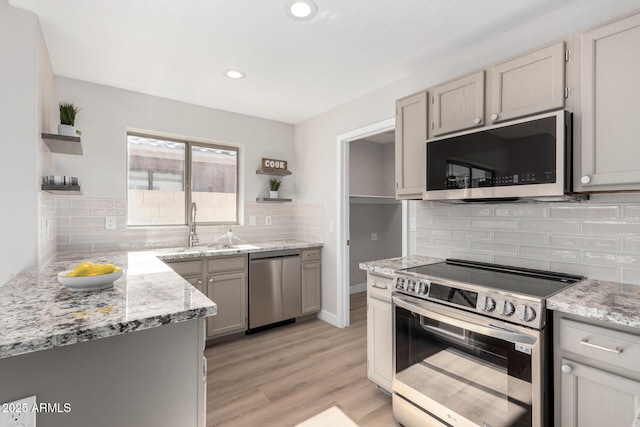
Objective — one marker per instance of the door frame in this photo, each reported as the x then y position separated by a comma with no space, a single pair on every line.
343,141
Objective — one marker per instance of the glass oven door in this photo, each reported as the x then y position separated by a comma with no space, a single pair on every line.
465,369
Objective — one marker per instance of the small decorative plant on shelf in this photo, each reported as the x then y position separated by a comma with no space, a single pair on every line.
68,113
274,186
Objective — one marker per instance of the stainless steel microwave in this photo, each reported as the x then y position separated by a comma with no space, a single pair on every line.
522,160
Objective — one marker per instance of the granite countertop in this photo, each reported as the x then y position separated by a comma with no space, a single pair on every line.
38,313
391,265
613,302
171,254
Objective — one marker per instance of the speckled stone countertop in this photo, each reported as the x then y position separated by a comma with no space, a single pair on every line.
38,313
618,303
171,254
390,265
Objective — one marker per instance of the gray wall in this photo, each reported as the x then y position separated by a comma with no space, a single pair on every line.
371,172
146,378
26,107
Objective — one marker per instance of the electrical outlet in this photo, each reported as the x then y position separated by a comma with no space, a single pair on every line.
374,236
252,220
267,220
18,413
110,223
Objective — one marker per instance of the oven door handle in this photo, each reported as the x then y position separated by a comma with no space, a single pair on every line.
490,330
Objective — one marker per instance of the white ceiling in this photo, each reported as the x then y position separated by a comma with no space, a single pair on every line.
178,49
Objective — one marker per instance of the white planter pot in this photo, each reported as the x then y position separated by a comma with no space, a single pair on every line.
67,130
273,194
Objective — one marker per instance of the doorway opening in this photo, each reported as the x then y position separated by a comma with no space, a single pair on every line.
367,188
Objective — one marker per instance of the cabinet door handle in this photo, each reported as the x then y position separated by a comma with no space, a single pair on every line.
378,287
567,369
585,179
199,281
477,120
585,341
494,117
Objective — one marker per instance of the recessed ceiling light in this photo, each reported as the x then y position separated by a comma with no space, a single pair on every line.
301,9
234,74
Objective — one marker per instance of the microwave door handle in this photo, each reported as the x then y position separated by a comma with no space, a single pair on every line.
491,331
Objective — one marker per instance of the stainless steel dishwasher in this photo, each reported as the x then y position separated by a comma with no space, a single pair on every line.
275,293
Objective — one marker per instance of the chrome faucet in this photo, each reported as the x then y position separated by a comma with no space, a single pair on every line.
193,236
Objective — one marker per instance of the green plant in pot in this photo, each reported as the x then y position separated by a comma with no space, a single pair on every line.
68,113
274,186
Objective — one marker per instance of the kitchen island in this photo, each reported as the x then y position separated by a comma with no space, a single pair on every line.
131,355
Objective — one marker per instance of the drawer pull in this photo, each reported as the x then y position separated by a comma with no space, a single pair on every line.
378,287
585,341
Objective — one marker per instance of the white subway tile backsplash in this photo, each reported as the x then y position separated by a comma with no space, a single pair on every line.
549,253
451,244
585,212
471,235
500,248
612,258
538,264
599,238
631,244
522,211
610,227
81,225
590,271
473,256
631,276
550,226
518,237
494,224
450,222
607,243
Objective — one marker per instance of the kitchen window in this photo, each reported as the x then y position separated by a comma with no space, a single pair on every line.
166,175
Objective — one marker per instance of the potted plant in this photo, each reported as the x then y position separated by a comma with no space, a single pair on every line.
274,186
68,113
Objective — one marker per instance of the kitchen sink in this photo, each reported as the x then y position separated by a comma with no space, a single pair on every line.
221,247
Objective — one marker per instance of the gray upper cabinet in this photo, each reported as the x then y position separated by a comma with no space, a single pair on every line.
610,104
411,136
458,105
528,84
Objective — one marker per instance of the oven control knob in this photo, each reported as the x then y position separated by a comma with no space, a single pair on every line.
507,308
411,285
423,288
526,313
399,283
489,304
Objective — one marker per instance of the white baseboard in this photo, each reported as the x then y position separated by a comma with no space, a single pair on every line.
330,318
354,289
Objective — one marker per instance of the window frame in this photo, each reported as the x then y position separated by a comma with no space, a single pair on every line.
188,144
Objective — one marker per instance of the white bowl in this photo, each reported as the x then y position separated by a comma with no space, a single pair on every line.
88,283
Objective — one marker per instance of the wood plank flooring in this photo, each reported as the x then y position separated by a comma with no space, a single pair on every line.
286,375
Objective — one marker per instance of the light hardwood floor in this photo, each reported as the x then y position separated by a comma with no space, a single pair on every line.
288,374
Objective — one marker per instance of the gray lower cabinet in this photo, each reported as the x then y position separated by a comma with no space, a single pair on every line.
458,104
609,106
411,134
224,280
311,280
597,371
379,330
529,84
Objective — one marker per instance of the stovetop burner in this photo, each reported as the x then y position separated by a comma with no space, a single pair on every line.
513,294
522,281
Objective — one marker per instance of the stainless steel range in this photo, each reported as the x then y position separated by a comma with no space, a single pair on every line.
472,345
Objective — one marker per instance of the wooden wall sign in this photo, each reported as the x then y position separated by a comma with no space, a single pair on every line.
274,165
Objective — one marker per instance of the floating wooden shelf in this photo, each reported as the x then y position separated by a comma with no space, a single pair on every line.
270,200
63,144
272,172
62,189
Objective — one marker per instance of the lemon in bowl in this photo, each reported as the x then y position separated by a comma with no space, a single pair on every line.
88,276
